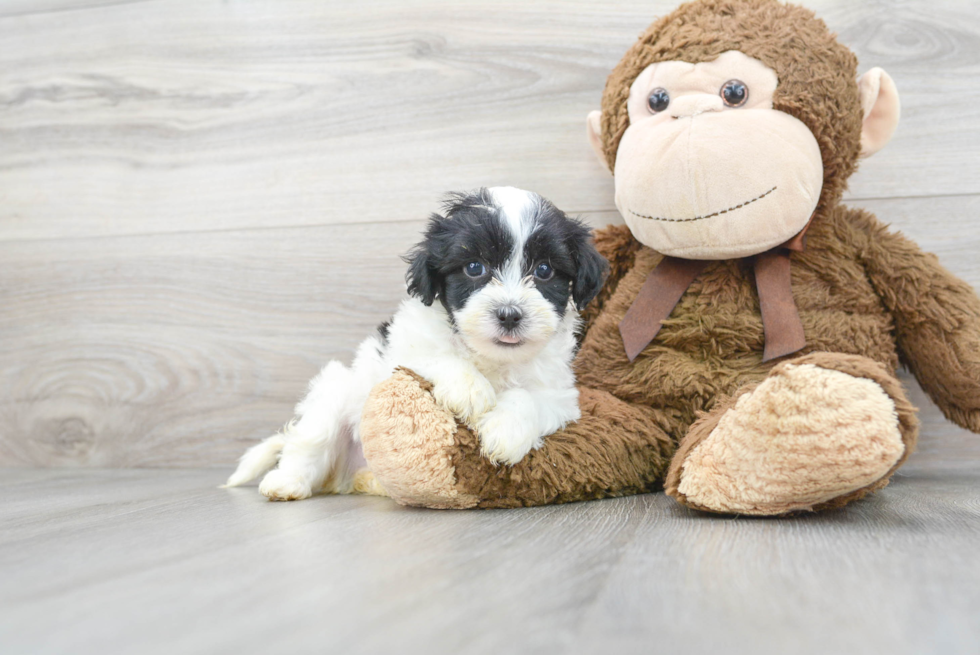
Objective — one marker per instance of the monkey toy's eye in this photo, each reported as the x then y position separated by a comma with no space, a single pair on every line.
658,100
734,93
475,269
544,272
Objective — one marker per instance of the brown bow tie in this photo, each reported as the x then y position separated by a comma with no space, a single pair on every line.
665,285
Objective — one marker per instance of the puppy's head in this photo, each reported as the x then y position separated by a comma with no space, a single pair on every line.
507,265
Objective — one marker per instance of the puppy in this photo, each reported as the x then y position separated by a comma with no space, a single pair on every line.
495,287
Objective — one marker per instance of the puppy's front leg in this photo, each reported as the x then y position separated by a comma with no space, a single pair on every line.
459,387
510,430
521,420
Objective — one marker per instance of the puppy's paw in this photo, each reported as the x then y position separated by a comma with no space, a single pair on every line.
465,392
282,485
509,431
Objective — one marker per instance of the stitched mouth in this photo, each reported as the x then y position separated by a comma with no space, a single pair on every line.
700,218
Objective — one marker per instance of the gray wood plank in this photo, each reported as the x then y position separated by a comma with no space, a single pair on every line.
166,340
883,576
11,8
182,349
162,562
133,118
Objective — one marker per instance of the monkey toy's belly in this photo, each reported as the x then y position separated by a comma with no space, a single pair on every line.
712,343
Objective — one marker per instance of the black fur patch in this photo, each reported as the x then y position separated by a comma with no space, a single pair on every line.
383,330
566,244
470,230
473,229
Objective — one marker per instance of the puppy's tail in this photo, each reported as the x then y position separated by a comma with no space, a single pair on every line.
257,460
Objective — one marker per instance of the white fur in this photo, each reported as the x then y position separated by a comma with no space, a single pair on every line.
512,396
512,404
516,206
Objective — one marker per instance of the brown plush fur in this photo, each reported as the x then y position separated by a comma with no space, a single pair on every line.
619,248
853,365
868,299
712,343
410,443
616,449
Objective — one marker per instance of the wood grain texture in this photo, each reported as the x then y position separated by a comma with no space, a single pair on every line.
182,349
163,562
202,202
145,117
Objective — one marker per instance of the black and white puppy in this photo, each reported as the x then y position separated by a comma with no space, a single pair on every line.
496,284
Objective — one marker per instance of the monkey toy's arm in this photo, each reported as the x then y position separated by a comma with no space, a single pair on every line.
937,320
617,245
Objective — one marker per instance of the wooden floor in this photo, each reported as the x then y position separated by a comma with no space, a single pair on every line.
123,561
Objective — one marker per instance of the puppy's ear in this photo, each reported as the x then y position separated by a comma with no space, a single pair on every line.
591,273
423,278
420,277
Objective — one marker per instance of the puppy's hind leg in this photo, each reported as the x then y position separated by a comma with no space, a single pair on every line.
257,460
311,443
350,474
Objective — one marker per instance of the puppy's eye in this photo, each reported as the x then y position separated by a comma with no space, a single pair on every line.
475,269
544,272
658,100
734,93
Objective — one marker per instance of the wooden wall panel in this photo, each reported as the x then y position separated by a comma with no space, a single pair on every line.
131,118
180,349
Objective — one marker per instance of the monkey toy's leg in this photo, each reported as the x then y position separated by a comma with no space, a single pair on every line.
820,431
422,456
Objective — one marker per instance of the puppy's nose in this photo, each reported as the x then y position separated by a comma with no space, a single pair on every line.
509,316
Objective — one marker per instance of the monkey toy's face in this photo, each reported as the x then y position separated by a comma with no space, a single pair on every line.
707,168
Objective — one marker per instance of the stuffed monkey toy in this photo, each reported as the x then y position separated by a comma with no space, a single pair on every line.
742,353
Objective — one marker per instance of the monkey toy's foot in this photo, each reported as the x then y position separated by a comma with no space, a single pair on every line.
819,431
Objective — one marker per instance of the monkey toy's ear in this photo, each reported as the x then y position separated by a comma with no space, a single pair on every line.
879,100
594,128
